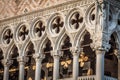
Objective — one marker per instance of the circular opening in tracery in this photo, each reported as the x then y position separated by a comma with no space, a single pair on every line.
57,24
23,33
92,17
7,36
39,28
76,20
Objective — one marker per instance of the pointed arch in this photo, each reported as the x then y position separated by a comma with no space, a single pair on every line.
9,53
60,40
24,46
42,44
79,37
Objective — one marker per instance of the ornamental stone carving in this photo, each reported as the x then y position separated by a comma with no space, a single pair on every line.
38,56
7,62
22,59
71,19
7,36
38,28
55,24
74,20
90,16
23,33
57,53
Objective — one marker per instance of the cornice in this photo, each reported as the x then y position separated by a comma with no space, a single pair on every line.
45,11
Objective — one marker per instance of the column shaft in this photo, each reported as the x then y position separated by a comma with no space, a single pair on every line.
118,69
75,66
6,64
21,71
38,70
6,73
56,68
100,65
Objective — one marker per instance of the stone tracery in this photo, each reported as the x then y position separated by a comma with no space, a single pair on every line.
57,26
23,32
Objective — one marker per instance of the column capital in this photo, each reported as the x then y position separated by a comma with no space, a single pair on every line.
75,50
7,62
57,53
100,51
38,56
23,59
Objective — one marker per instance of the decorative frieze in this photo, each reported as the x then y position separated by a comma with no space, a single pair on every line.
46,11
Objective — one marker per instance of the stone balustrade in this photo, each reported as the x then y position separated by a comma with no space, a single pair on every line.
66,79
93,77
87,77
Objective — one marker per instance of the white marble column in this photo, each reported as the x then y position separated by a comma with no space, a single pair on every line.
75,53
56,56
6,64
22,60
56,68
38,58
100,64
119,68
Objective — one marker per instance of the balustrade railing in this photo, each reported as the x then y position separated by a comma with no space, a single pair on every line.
66,79
87,77
92,77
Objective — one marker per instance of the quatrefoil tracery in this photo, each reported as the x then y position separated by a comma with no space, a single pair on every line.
57,24
76,20
7,37
39,28
23,33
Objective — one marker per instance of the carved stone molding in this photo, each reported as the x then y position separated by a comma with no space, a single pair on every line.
38,57
57,53
22,59
75,50
44,12
7,62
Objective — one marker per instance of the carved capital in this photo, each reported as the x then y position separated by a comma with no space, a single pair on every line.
7,62
22,59
75,50
38,57
100,51
101,44
57,53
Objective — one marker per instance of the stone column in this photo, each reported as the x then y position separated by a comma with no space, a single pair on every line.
22,60
75,53
6,64
100,64
38,58
119,68
56,55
